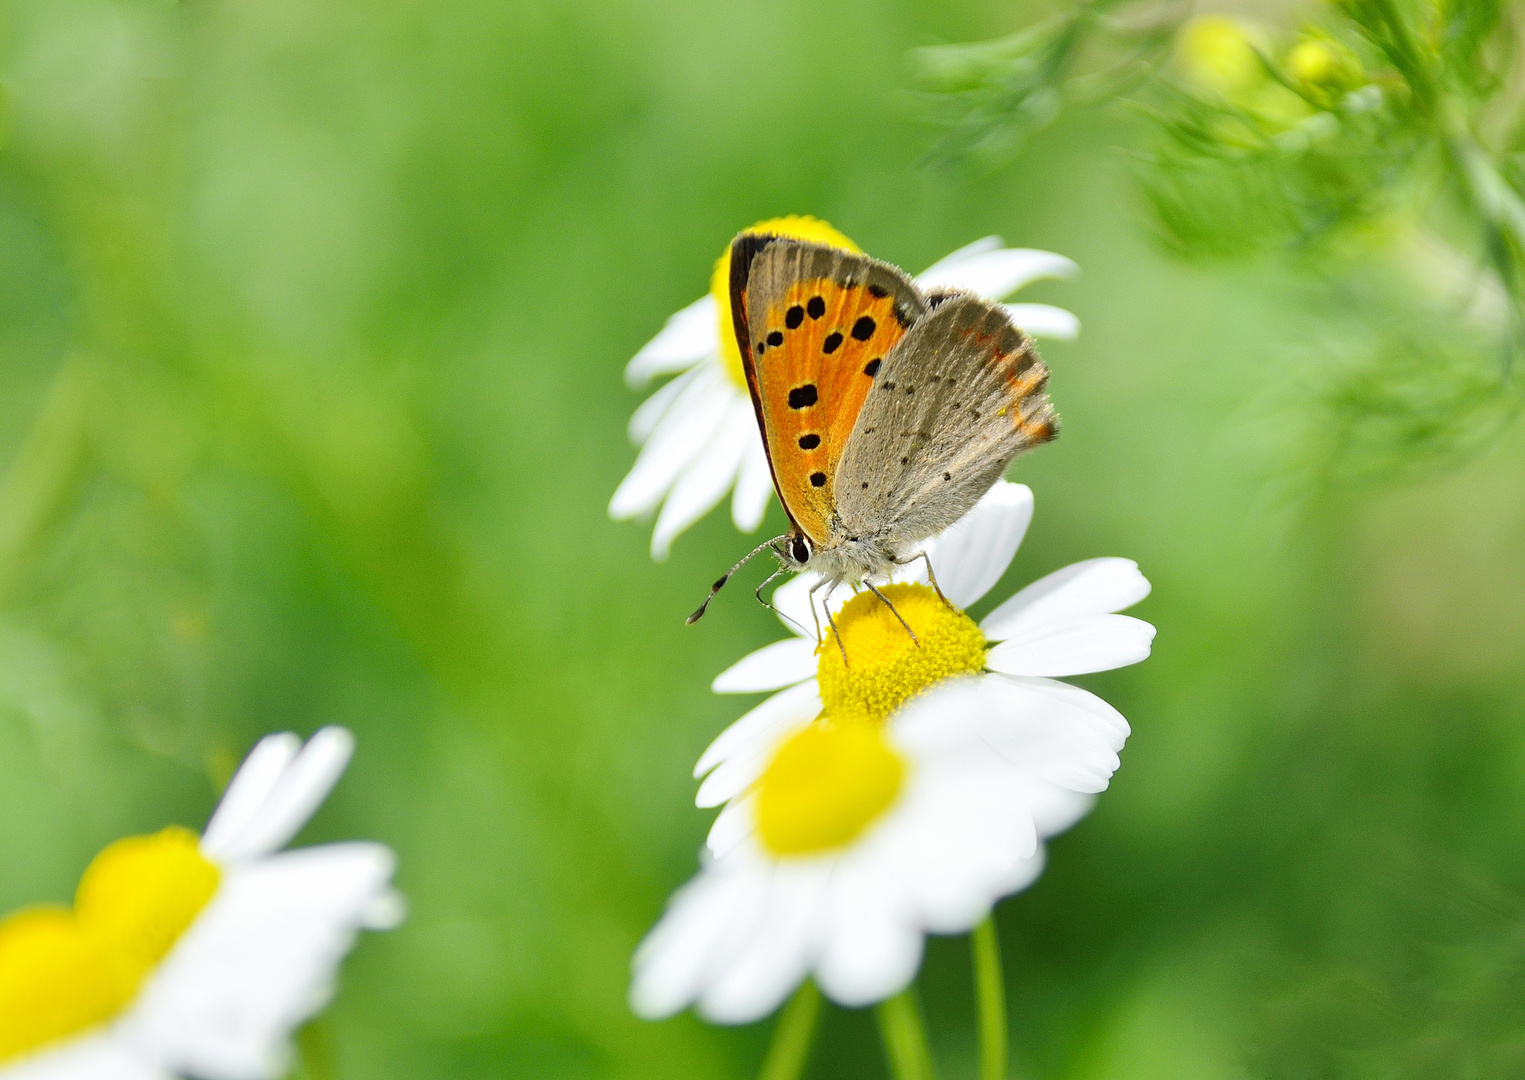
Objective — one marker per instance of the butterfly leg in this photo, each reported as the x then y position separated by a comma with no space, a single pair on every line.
932,577
895,613
826,606
773,609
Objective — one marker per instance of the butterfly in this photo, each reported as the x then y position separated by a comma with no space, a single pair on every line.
886,412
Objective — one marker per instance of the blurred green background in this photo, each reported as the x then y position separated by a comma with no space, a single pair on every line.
312,319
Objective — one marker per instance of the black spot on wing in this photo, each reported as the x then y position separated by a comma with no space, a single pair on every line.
833,340
809,442
863,329
802,397
794,316
872,367
818,479
816,307
776,339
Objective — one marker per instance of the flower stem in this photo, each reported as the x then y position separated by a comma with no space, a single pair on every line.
792,1035
905,1037
990,996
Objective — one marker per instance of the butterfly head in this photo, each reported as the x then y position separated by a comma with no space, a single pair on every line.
794,550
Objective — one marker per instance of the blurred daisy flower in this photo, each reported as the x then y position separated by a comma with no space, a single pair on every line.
871,802
196,956
698,434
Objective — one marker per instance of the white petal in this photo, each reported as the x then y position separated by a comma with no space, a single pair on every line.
1073,646
966,824
745,762
735,822
1044,741
795,706
771,667
1092,587
675,959
257,962
973,553
676,441
706,480
1055,809
687,337
1045,321
644,420
250,787
292,800
100,1056
993,272
871,949
753,487
756,979
1103,717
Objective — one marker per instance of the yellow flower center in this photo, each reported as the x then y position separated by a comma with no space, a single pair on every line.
884,667
63,972
800,227
824,786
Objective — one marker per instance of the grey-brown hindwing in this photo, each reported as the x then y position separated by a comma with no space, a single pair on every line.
956,399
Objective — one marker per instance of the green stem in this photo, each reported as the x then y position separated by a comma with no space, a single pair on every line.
792,1035
990,998
905,1037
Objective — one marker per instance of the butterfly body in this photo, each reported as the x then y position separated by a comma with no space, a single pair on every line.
886,412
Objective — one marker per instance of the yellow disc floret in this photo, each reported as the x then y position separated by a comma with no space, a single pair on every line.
824,786
142,892
63,972
56,979
801,227
885,668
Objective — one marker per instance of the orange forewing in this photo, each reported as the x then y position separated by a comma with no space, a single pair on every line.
814,355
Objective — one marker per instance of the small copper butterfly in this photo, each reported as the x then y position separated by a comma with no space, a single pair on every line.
886,412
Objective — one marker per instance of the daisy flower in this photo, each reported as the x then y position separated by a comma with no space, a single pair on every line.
903,792
698,434
196,956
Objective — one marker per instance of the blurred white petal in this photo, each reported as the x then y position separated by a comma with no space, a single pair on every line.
797,705
973,553
258,961
99,1056
706,480
1107,721
993,271
732,825
756,979
298,792
250,787
772,667
1045,742
1045,321
649,412
1092,587
678,437
871,949
673,962
753,486
745,761
687,337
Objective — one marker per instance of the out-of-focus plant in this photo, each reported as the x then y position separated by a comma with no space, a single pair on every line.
1377,151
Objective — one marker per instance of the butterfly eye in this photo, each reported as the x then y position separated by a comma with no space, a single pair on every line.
799,549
